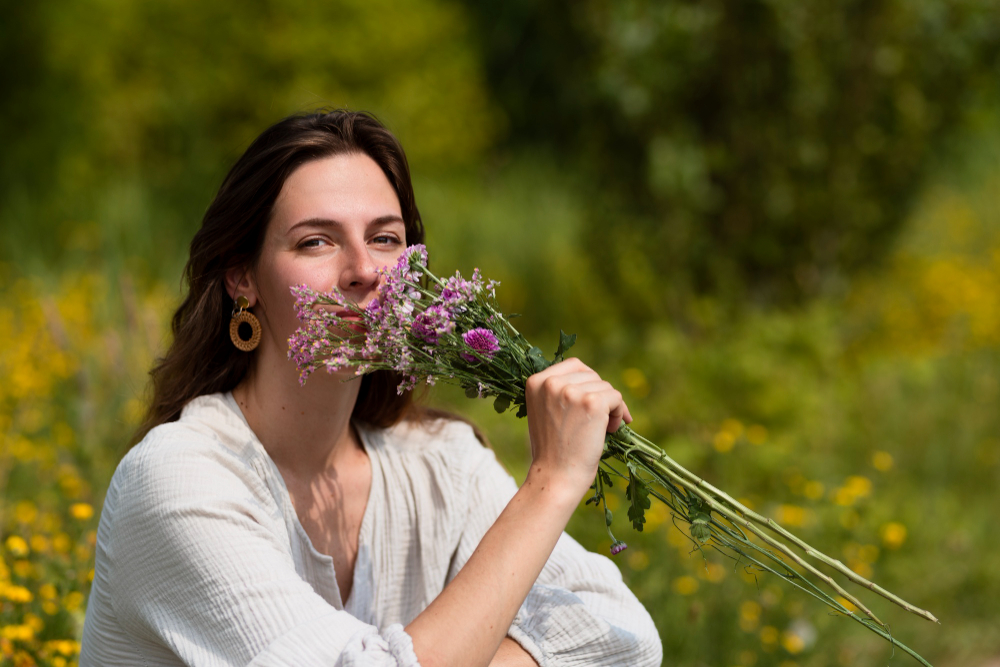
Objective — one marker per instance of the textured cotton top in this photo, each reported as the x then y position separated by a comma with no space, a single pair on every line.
202,561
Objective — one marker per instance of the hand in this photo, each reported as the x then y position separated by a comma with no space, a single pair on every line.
570,409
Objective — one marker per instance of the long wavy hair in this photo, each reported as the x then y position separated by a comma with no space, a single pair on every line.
202,359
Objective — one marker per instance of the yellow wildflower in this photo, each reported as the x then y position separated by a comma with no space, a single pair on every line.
62,543
893,535
636,381
813,490
792,516
792,643
15,593
34,622
638,560
749,615
40,543
723,441
17,633
81,511
73,600
882,461
66,647
25,512
17,546
685,585
712,572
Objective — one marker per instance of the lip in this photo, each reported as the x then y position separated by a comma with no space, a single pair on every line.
351,321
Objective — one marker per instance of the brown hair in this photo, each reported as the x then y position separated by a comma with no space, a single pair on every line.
202,359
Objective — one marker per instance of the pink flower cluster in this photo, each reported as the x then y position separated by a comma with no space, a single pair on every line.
409,327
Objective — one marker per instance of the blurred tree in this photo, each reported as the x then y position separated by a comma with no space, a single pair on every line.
129,113
758,149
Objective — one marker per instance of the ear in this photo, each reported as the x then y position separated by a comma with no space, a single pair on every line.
239,282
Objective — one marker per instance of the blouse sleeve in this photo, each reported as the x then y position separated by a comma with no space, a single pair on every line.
579,612
199,562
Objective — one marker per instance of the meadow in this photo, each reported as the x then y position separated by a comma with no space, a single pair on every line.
774,225
865,421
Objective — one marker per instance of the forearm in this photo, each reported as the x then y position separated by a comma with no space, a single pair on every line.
511,654
466,623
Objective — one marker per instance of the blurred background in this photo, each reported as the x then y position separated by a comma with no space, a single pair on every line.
774,224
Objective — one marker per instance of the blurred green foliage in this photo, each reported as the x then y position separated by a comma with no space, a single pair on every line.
108,105
637,173
763,149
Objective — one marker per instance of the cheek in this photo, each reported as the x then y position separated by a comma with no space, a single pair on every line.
390,259
274,283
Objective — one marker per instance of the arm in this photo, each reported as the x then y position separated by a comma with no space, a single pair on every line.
569,411
510,654
579,611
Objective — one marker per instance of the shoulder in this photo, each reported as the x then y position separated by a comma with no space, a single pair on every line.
208,451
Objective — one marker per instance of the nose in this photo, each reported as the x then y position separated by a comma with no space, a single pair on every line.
359,274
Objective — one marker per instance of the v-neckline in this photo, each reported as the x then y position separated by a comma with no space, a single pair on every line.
364,531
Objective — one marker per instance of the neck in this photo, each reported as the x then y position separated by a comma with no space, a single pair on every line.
305,429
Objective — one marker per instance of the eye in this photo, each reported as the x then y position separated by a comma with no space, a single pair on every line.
386,240
312,243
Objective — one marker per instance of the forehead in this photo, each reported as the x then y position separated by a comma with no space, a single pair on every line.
349,187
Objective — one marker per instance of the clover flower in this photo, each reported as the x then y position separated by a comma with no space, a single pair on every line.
482,341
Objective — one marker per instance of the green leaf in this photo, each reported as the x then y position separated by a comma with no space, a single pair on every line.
522,411
472,392
566,341
607,516
701,516
501,403
638,495
605,477
700,532
537,359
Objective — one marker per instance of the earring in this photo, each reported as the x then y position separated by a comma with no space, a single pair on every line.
242,316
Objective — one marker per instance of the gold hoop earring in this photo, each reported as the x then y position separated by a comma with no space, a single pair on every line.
240,316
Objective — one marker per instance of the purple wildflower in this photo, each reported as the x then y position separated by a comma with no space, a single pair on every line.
482,341
431,324
618,547
412,262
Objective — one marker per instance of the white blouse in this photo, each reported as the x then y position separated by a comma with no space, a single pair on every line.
202,561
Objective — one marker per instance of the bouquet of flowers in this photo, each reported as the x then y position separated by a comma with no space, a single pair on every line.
427,328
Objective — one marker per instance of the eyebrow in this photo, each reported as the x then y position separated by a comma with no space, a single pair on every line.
329,222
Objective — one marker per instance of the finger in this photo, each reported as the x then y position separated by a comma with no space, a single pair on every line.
600,398
558,383
571,365
615,416
586,388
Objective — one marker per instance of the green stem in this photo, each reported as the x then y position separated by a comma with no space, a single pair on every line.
630,439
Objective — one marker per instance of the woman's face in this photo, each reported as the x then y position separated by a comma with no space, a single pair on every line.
336,222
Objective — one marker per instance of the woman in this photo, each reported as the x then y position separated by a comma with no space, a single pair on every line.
259,522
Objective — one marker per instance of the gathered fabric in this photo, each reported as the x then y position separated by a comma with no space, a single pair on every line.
201,559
